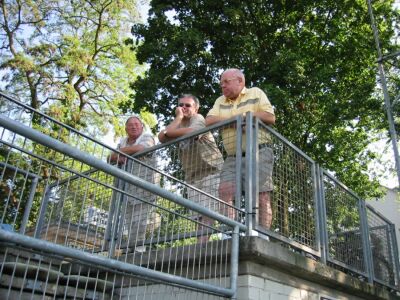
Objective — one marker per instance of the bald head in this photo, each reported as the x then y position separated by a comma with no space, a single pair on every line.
232,83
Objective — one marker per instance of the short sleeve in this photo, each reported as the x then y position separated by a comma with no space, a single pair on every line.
265,104
215,110
197,122
147,140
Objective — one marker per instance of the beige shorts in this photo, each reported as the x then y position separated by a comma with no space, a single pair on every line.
265,166
209,185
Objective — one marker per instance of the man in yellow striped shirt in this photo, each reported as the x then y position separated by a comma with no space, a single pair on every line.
237,100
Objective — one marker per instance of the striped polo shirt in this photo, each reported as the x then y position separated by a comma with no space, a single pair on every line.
252,99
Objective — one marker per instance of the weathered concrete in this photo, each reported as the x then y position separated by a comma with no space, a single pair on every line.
269,261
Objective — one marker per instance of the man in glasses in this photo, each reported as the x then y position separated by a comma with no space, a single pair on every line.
200,157
237,100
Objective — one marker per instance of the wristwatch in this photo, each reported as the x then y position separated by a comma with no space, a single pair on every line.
165,133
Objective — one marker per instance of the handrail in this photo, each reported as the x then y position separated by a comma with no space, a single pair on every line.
99,164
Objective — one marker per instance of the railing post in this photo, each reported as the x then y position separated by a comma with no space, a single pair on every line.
396,255
42,212
324,244
234,261
28,205
116,219
239,158
368,259
250,173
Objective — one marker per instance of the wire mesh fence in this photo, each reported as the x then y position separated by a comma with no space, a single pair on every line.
120,235
343,225
383,245
44,275
287,176
52,196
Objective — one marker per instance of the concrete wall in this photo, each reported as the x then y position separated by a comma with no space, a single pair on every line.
269,271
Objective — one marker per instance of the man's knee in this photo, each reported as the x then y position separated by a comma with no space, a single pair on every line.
226,190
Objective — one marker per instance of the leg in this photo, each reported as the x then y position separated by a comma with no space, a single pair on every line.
227,186
266,160
226,193
265,210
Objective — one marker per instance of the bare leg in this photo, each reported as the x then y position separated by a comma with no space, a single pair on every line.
265,210
206,221
226,193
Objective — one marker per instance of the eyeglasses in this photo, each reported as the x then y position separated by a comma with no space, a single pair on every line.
226,81
185,105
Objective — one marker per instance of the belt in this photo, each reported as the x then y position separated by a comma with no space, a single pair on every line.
261,146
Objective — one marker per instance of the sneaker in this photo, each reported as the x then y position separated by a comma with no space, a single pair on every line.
224,236
140,249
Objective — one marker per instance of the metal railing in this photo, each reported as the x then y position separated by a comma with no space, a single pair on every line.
156,223
91,221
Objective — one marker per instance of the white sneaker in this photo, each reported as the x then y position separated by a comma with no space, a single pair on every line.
140,249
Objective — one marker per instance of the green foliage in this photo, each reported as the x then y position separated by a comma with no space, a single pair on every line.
69,58
315,60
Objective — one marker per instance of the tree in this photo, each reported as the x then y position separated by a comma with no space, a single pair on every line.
70,59
316,61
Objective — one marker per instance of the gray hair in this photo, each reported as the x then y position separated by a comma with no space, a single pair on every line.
195,99
134,117
237,72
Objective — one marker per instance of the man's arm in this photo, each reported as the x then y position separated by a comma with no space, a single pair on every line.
210,120
265,117
128,150
173,131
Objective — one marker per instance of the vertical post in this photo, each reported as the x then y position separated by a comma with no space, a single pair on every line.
386,97
395,255
317,205
234,261
116,219
42,212
239,159
322,215
368,260
250,195
28,205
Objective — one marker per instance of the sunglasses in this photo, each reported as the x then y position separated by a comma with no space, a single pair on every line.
185,104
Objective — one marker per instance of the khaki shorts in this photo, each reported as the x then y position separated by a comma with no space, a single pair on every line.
265,165
139,219
209,185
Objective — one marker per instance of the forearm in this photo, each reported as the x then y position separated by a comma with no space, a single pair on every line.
265,117
129,150
210,120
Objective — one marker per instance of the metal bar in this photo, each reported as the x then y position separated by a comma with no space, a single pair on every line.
317,203
112,170
385,57
289,144
18,170
29,108
239,159
42,213
382,76
234,261
116,220
28,205
368,259
186,136
251,196
395,254
101,261
324,172
323,217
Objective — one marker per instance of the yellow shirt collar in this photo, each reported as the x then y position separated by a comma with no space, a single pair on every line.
242,92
